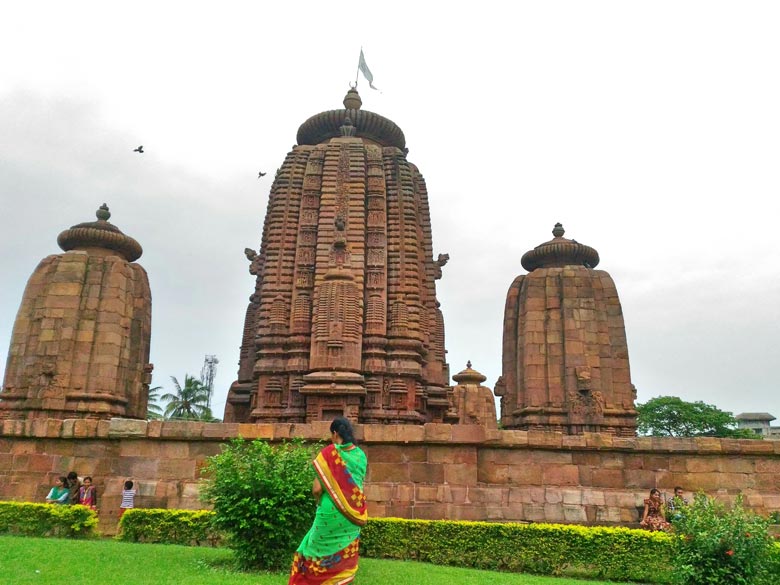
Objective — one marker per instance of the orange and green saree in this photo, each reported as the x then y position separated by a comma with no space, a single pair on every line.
328,554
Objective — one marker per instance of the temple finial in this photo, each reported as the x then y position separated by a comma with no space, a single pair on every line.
558,230
102,213
352,100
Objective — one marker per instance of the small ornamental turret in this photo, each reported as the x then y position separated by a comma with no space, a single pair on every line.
80,343
565,356
472,402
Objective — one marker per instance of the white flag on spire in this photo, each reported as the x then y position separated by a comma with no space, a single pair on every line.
363,68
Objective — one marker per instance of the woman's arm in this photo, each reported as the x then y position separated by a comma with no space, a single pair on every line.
64,497
644,514
316,489
50,497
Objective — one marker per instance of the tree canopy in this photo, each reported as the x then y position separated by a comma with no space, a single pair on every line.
153,409
670,416
190,402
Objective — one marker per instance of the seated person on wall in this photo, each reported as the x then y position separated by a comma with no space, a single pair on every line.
88,494
675,506
73,486
59,494
653,517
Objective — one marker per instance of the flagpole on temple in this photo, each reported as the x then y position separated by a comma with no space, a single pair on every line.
357,73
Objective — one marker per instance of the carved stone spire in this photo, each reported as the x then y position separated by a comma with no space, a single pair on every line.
80,344
565,356
344,319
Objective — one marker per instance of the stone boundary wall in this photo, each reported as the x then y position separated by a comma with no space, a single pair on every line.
434,471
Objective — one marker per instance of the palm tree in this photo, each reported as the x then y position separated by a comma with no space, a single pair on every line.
153,409
189,402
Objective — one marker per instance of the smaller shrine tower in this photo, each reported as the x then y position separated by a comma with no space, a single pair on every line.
80,342
565,356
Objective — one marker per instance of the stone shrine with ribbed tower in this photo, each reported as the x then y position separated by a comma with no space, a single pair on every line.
80,342
344,319
565,356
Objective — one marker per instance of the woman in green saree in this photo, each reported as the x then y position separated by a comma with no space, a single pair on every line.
328,554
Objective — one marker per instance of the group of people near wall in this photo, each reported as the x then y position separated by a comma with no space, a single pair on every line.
658,510
72,490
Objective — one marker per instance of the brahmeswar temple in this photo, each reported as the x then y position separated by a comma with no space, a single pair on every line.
344,318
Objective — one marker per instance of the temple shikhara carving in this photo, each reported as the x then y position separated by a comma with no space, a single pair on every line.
80,342
565,357
344,318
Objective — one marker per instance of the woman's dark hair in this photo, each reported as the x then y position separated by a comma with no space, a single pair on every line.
655,491
63,480
343,428
128,485
88,477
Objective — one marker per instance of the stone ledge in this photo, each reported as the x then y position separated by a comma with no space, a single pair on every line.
430,433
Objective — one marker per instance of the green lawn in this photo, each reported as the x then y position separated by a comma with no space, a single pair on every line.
52,561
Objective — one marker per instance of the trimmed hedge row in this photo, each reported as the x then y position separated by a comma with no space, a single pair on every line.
604,553
28,519
551,549
620,554
189,527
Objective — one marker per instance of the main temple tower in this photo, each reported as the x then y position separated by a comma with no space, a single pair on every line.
344,318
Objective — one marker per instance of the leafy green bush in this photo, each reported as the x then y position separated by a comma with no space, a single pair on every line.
721,545
186,527
28,519
595,552
772,568
261,495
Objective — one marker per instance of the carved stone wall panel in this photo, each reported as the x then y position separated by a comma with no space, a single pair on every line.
375,315
337,333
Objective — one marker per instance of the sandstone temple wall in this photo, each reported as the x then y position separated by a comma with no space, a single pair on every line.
432,471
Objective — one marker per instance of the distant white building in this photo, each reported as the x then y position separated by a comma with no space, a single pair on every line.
759,423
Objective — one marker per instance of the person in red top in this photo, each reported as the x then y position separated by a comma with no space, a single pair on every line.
88,494
653,516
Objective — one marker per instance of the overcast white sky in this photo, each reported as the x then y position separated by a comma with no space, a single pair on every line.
651,130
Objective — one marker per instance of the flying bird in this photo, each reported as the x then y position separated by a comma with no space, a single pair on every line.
139,149
261,174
